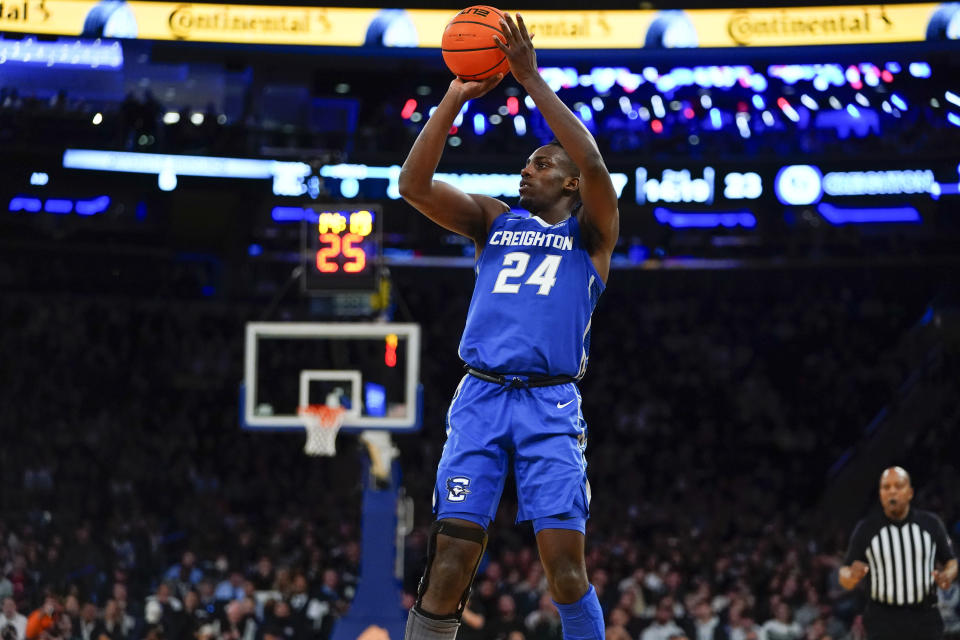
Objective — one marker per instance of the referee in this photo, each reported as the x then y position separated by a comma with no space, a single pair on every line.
899,551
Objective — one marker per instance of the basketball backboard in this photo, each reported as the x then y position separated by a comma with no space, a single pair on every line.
371,369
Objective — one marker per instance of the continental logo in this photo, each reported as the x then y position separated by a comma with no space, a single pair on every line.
12,13
748,27
583,26
187,21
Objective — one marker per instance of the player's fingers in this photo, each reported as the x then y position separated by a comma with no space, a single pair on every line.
523,28
505,29
511,25
497,41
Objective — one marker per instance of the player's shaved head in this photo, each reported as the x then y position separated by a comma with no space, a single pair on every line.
895,473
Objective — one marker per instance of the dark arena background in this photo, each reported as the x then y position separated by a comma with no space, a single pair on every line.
781,321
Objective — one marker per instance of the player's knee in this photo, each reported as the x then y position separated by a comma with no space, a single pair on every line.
451,572
453,555
453,565
568,581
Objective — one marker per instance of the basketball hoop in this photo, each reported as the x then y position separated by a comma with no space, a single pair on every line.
322,423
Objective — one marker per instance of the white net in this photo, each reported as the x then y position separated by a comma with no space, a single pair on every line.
322,424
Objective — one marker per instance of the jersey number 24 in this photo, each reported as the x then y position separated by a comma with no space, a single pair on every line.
515,266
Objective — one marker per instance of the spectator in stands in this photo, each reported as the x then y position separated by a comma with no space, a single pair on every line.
184,575
705,624
43,619
195,616
239,623
64,628
83,560
474,621
810,609
331,590
280,624
526,592
544,622
781,626
306,609
663,626
124,615
857,630
740,622
10,616
231,588
163,596
617,624
264,576
116,625
206,601
505,621
88,626
634,584
20,578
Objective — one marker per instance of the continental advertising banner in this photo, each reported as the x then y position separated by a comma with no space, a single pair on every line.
343,27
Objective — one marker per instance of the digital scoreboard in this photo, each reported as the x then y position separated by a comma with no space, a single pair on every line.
341,248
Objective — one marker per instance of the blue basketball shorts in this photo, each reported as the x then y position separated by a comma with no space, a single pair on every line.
539,432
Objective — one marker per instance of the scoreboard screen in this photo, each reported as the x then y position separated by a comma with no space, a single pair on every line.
341,248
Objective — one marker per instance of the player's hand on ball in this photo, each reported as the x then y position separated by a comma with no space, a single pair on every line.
471,89
517,45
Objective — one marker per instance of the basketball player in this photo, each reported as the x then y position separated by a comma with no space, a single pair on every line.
525,345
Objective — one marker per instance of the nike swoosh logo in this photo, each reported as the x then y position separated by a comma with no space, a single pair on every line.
561,406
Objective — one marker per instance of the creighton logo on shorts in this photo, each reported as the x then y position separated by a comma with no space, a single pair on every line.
457,488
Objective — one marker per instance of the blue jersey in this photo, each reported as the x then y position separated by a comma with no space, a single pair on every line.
536,289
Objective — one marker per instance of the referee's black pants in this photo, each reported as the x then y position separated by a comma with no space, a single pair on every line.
902,623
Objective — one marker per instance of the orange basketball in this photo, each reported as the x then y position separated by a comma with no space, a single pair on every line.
468,47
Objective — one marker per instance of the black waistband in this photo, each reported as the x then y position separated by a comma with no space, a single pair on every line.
878,606
518,380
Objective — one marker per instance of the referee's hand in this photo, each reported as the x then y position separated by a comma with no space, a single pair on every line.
859,569
850,576
942,578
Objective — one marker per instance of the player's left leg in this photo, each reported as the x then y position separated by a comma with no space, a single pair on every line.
550,439
561,551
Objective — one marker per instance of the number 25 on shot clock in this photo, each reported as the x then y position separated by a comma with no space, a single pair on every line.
342,248
340,235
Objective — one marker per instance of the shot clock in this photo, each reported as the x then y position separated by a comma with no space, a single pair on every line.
341,248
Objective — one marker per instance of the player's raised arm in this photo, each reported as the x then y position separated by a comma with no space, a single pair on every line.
596,189
469,215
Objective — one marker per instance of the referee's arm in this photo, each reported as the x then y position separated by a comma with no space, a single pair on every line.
947,575
855,568
944,577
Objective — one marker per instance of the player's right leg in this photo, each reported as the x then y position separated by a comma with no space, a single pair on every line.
457,546
470,480
453,555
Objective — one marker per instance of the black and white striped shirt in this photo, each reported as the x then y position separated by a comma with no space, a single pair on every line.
902,556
